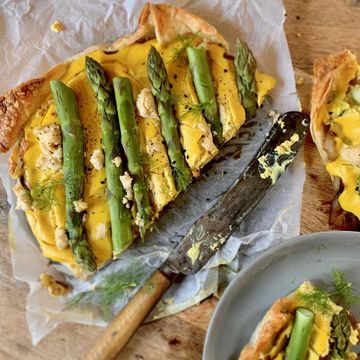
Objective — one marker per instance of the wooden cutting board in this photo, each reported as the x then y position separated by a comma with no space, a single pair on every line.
313,28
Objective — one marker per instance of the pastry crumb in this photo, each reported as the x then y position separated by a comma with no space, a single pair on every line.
57,26
274,115
300,80
80,206
126,181
23,196
54,287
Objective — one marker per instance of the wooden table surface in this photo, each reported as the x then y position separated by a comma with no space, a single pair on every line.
313,28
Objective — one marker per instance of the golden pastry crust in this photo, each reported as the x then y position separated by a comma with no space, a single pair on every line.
328,74
327,71
156,20
277,318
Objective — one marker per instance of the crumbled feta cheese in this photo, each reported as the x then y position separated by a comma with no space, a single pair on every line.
46,163
57,26
80,205
145,104
49,137
97,159
23,197
116,161
139,221
101,231
61,239
126,181
274,115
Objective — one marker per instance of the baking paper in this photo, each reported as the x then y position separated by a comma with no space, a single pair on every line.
29,48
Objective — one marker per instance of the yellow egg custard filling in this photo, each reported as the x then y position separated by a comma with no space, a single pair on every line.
41,148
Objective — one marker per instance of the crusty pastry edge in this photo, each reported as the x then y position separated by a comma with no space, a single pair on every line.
156,20
276,319
326,72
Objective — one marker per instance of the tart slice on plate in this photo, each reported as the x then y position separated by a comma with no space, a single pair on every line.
307,324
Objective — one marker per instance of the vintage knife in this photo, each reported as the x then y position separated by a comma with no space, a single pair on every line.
210,231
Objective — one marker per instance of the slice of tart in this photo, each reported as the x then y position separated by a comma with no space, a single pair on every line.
335,128
306,324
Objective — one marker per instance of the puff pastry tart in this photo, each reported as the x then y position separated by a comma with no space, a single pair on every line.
335,128
104,141
306,324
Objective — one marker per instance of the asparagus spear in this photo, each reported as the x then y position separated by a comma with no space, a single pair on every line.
160,88
298,346
74,173
245,66
201,75
341,334
130,142
120,216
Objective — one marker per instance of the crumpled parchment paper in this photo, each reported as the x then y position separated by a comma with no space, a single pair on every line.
29,48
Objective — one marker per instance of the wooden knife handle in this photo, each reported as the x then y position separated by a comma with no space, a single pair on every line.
123,327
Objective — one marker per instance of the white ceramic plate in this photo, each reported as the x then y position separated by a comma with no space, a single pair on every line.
276,273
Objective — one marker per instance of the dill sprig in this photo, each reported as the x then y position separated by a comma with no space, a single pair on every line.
180,178
317,300
185,41
43,193
343,289
195,110
101,299
342,293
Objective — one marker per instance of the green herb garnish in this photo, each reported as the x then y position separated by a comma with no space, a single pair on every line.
342,293
317,300
343,289
43,193
195,110
185,41
101,299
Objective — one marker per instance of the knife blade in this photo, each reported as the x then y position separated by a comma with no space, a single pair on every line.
210,232
212,229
